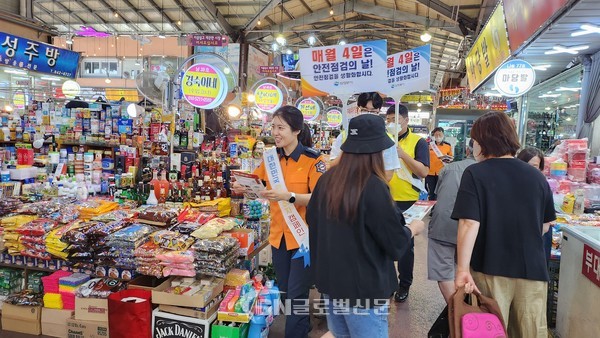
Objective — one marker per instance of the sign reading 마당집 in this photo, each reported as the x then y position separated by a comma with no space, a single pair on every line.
23,53
348,69
514,78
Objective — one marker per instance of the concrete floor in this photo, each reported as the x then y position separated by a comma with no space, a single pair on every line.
411,319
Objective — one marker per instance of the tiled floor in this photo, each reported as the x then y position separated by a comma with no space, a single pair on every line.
411,319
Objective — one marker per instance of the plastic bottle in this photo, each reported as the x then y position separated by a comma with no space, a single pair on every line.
275,296
579,204
258,324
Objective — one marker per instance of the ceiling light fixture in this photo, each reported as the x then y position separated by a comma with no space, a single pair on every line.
116,15
281,39
311,40
15,71
69,40
426,37
162,36
107,81
289,52
548,108
419,104
258,22
569,50
570,89
331,11
587,29
275,46
342,42
493,94
179,22
542,67
548,95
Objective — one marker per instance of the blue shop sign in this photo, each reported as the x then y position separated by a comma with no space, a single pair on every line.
20,52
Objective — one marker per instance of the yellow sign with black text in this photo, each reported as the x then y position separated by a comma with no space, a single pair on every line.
489,51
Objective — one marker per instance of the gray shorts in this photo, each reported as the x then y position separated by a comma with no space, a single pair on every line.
441,260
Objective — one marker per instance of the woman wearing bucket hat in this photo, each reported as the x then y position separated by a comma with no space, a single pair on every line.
354,234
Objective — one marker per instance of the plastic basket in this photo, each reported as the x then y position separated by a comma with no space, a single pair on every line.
553,272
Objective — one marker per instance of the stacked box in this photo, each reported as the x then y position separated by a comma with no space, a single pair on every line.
11,281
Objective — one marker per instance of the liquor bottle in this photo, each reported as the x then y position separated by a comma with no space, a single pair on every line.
174,175
163,184
176,136
221,191
206,191
152,200
183,138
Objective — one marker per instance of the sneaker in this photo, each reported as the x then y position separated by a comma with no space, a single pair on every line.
401,295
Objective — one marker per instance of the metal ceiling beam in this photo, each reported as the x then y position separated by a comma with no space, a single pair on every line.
139,14
392,14
164,15
102,21
53,16
127,22
262,13
450,12
187,14
214,12
307,7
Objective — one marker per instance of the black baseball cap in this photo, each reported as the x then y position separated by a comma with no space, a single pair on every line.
366,135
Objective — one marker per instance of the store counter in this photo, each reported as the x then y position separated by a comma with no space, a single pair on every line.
578,312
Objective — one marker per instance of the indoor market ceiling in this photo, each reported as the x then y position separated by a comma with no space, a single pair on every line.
452,23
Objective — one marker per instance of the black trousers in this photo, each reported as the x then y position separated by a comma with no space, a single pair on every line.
430,184
406,264
294,281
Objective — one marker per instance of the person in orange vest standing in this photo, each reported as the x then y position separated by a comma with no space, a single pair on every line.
440,152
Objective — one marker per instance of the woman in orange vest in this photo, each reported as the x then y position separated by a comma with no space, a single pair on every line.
436,161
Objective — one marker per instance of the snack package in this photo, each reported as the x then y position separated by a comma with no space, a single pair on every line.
171,240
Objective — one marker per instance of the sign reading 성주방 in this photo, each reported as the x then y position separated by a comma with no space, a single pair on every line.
408,71
347,69
23,53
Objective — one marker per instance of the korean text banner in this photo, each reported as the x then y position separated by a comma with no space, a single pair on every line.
348,69
408,71
36,56
524,18
489,51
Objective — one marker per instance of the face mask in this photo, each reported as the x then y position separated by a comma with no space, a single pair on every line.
439,139
391,127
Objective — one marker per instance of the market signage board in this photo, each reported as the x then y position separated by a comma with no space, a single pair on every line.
334,117
408,71
524,18
114,94
211,40
204,86
309,107
32,55
514,78
590,267
344,70
269,69
489,50
268,97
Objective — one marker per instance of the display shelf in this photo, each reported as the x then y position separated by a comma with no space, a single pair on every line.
90,144
25,267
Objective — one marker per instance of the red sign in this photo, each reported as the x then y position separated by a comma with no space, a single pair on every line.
211,40
524,18
591,264
269,69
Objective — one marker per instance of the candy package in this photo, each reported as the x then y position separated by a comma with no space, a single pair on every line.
177,257
25,298
38,227
171,240
218,244
100,288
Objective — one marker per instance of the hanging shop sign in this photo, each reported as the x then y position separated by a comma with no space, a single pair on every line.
525,18
348,69
417,98
211,40
514,78
204,86
130,95
23,53
409,71
269,69
489,50
20,99
309,107
268,97
70,89
334,117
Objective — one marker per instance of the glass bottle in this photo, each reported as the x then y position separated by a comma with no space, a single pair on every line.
152,200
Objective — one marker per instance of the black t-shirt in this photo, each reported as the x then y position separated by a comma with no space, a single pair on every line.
511,200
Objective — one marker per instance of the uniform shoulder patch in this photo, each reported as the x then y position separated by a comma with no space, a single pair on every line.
312,152
321,166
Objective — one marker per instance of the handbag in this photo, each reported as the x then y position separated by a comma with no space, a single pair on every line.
440,328
478,316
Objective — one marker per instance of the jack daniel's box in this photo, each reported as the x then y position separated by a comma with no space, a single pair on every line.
167,325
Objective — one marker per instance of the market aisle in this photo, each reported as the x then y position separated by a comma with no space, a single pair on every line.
407,320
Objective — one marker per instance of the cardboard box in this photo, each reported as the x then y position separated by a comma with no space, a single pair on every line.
198,313
24,319
86,329
246,239
145,282
200,299
174,326
54,322
224,331
93,309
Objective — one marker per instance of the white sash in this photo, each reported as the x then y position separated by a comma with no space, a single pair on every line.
291,216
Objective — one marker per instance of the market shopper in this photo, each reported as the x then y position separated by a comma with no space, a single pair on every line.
441,246
503,207
301,167
535,158
440,152
405,188
357,233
